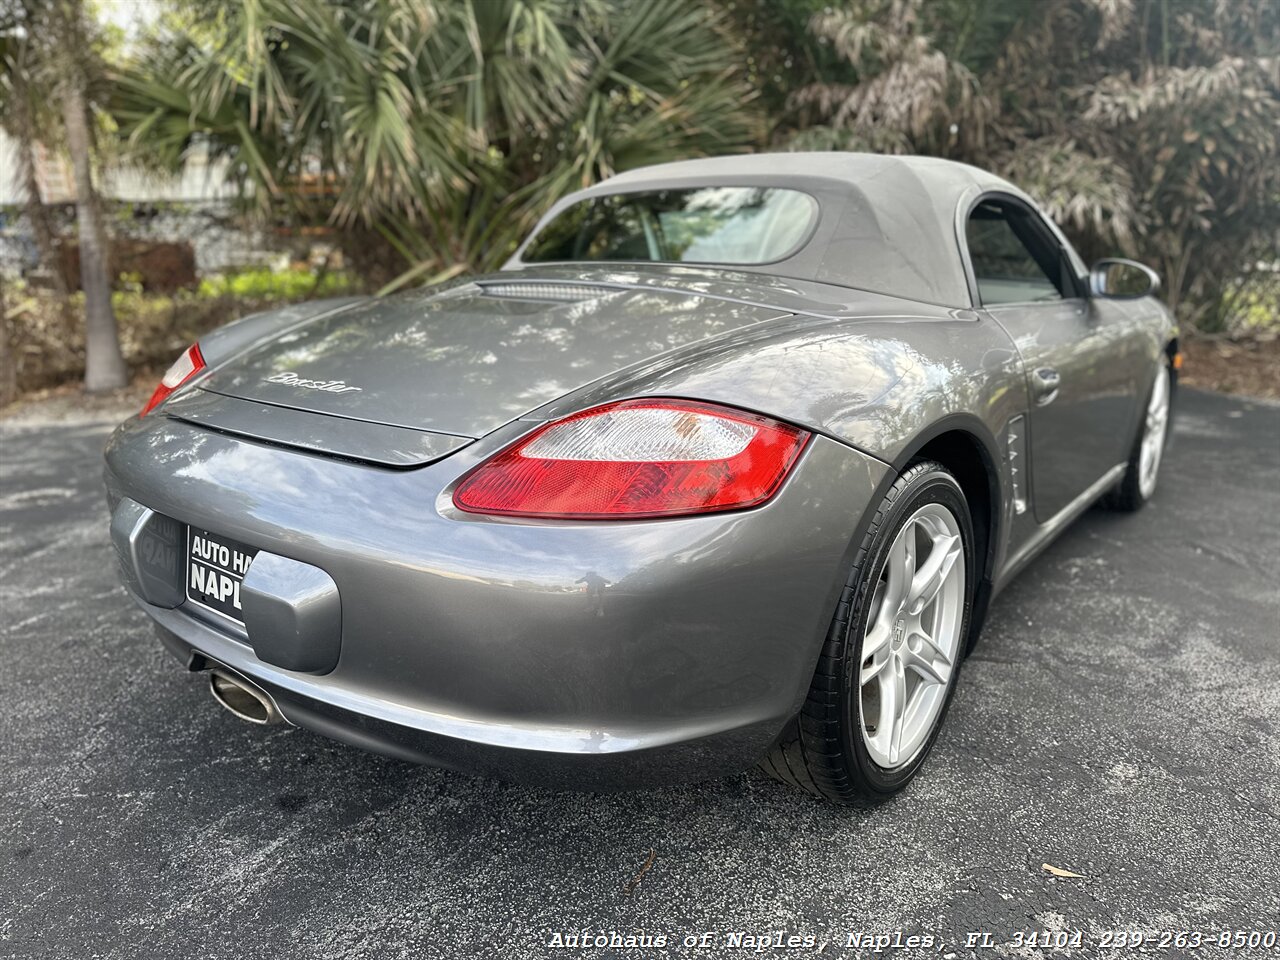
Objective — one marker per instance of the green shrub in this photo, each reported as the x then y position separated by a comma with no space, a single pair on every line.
1257,310
263,284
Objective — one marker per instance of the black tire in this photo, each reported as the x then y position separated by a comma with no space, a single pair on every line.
822,750
1126,496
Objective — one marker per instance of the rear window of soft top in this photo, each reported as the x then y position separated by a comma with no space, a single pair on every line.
743,226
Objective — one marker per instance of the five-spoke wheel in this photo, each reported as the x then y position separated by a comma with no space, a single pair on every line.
1153,435
890,662
913,635
1142,473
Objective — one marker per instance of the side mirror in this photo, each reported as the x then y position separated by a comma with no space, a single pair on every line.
1118,279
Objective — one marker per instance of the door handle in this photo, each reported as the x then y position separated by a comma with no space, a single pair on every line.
1044,385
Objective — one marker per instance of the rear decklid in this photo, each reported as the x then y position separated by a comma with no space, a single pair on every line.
425,372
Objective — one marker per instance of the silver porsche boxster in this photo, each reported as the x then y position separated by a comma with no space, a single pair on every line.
723,467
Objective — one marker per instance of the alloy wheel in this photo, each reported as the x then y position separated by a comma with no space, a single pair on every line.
912,641
1157,423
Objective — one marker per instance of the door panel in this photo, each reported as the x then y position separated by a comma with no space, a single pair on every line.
1079,354
1081,428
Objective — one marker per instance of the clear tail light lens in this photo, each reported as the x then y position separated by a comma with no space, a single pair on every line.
637,458
183,369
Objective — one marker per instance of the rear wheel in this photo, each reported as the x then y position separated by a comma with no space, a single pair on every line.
890,662
1138,484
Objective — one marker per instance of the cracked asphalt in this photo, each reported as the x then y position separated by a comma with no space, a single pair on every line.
1120,720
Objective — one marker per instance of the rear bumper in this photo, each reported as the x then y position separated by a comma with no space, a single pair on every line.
719,754
590,656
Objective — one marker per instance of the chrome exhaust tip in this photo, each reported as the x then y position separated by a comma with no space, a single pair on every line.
246,700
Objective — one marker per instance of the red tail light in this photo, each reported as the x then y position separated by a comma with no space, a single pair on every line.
637,458
183,369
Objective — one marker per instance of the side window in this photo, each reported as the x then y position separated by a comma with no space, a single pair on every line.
1014,258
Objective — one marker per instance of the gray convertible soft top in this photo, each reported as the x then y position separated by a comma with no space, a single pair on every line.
886,223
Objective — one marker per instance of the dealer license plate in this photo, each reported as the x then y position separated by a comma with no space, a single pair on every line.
216,567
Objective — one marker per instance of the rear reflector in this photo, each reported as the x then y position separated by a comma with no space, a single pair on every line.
636,459
184,368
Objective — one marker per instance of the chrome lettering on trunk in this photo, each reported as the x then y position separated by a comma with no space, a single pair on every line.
291,379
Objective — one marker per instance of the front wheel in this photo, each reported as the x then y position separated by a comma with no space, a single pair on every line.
1138,484
888,669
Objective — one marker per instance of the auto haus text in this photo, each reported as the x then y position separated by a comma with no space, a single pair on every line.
758,942
217,583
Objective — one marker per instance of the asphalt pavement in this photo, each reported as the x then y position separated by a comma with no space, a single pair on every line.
1120,720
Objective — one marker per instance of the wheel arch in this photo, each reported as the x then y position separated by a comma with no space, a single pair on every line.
965,446
804,753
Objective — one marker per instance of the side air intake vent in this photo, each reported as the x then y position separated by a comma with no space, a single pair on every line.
542,290
1016,461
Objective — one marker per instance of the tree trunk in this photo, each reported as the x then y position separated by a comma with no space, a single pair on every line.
37,215
41,225
104,367
8,369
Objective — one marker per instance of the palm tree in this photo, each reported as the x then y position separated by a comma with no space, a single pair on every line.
19,109
104,363
8,369
445,127
47,48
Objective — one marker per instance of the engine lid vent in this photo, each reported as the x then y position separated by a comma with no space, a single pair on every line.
544,290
